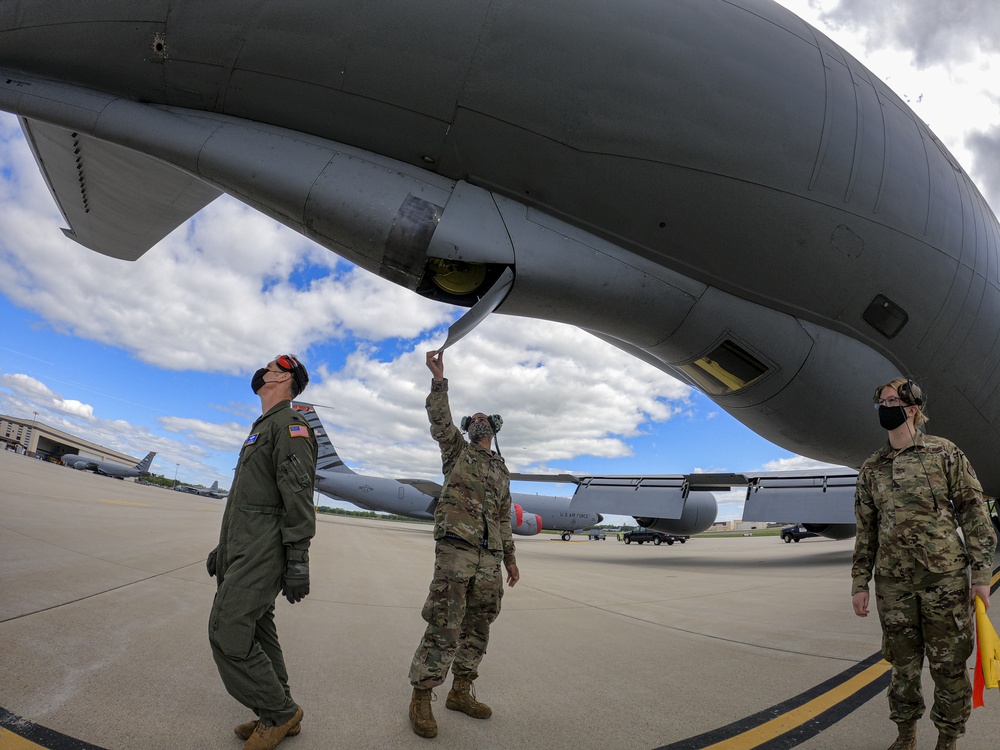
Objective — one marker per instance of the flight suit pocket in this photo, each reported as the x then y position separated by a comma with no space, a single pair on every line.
234,617
295,474
271,510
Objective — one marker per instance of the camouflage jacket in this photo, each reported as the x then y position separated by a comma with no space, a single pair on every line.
269,517
475,499
899,530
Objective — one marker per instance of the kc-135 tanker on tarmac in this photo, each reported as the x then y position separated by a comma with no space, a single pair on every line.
417,498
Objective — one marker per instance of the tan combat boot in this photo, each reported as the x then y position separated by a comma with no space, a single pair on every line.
244,730
907,739
421,716
463,698
267,738
946,743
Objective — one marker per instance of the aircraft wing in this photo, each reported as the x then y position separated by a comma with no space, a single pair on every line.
424,485
116,201
557,478
805,497
814,497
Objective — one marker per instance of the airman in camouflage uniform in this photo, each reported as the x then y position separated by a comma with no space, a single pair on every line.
267,526
912,496
472,535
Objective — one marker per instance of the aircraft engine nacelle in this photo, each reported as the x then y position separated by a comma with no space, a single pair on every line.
699,513
83,465
833,530
524,524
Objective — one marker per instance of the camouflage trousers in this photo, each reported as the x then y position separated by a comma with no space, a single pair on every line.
463,602
930,614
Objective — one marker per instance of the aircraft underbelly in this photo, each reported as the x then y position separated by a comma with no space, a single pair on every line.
385,216
681,178
699,147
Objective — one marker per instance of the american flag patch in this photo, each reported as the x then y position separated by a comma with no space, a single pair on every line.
298,430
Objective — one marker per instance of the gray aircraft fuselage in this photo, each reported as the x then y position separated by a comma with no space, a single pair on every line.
212,491
713,186
392,496
108,468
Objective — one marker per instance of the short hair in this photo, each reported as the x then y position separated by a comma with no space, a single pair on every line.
909,393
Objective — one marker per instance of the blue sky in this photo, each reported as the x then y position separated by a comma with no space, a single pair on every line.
157,354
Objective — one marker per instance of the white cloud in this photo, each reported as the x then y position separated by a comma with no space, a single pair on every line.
30,390
225,436
562,394
933,31
799,463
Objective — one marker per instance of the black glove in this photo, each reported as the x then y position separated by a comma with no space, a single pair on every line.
296,581
210,562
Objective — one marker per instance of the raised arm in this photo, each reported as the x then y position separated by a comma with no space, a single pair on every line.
443,429
435,363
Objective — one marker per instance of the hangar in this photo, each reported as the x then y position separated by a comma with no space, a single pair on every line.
34,438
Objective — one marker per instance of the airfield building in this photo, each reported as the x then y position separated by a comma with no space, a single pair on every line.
34,438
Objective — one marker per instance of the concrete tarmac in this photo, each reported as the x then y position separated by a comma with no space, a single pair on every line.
104,603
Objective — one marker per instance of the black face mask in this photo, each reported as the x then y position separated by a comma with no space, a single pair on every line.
258,379
891,417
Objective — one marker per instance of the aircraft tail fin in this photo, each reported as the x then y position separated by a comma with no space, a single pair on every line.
326,455
143,465
215,486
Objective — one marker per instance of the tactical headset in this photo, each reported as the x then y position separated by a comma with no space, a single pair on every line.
495,420
909,393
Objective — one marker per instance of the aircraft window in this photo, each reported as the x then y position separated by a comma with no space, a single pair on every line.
885,316
727,368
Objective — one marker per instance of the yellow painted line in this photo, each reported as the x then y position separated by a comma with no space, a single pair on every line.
126,502
789,721
11,741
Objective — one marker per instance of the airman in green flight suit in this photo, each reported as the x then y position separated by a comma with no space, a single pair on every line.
263,550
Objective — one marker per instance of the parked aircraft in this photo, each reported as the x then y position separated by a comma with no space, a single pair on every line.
416,498
212,491
713,187
108,468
